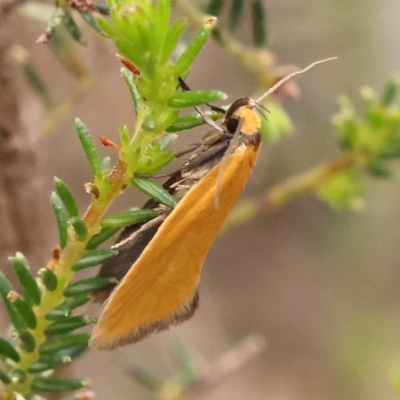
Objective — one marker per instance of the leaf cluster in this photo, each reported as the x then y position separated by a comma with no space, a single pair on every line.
370,137
47,329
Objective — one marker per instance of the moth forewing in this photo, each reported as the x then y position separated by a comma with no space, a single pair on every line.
161,287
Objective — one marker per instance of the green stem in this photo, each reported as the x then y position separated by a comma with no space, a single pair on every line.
74,250
307,182
281,193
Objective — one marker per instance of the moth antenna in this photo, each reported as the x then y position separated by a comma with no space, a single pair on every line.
258,108
264,108
292,75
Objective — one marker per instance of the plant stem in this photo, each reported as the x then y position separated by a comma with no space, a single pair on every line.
73,251
280,194
307,182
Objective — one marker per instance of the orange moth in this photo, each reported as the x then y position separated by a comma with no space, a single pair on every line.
160,289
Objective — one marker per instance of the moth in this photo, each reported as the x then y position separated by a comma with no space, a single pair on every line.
159,262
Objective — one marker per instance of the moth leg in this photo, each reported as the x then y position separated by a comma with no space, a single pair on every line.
156,176
203,157
190,149
207,120
216,108
185,87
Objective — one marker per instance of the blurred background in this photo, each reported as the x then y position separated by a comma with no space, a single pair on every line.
321,286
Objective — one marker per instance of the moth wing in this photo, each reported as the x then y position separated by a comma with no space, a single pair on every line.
160,289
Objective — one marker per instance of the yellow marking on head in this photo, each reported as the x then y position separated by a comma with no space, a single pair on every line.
251,122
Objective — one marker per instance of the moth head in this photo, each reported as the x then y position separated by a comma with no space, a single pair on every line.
243,110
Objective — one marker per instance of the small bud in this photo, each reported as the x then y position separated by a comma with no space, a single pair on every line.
55,250
18,376
127,64
80,228
109,143
92,189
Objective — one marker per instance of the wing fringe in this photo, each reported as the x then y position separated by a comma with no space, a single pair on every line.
186,311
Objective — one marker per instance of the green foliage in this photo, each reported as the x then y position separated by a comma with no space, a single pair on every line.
7,350
236,14
93,258
27,281
58,385
49,279
4,378
154,191
80,228
61,218
130,217
371,138
63,16
65,195
194,98
88,146
28,342
15,318
374,135
191,121
45,330
149,47
101,237
24,309
88,285
54,345
343,190
67,325
277,124
44,365
259,26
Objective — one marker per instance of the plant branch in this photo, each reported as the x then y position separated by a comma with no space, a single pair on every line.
228,364
256,61
73,251
304,183
280,194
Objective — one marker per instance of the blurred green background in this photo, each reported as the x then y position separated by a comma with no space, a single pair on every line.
321,286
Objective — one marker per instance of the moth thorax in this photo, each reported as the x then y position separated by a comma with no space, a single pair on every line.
251,122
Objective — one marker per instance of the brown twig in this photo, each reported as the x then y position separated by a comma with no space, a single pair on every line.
204,378
228,364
